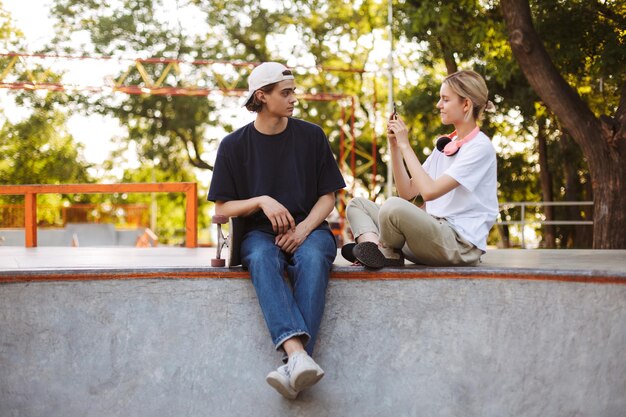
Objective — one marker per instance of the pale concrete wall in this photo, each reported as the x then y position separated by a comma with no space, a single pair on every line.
87,234
390,348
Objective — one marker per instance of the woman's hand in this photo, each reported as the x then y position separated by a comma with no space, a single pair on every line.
398,130
390,135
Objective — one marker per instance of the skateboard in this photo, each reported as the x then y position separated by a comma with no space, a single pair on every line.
232,240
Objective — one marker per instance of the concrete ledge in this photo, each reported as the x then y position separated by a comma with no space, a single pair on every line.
71,264
339,272
154,332
405,347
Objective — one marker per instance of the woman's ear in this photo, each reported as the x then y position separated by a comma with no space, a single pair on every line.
467,105
468,109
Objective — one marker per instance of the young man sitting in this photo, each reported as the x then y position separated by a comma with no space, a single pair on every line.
280,175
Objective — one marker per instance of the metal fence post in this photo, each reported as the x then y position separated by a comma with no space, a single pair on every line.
30,219
523,225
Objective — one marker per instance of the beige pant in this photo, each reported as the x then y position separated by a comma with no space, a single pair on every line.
424,239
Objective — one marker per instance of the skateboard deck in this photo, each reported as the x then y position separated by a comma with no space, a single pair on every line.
232,240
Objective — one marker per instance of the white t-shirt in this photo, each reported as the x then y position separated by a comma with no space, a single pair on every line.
472,207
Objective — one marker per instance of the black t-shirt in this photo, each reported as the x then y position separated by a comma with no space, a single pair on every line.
295,167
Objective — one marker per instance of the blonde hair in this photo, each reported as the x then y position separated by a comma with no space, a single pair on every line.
471,85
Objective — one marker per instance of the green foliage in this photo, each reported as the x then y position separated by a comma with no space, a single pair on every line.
39,150
10,36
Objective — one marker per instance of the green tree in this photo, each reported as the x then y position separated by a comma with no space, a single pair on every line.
38,149
10,36
596,121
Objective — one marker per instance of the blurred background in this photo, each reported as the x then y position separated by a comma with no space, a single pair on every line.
143,91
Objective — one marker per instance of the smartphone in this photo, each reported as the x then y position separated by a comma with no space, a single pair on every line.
394,115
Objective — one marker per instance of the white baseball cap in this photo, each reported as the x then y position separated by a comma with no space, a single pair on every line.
265,74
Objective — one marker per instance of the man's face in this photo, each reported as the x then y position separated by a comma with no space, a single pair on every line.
281,100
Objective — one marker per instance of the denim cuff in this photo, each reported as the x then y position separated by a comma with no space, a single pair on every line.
288,335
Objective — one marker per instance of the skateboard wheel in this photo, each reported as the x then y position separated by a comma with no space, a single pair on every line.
219,219
216,263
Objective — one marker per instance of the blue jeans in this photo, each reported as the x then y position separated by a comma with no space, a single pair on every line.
292,307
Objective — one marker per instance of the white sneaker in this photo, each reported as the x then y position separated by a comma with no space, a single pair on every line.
303,371
279,380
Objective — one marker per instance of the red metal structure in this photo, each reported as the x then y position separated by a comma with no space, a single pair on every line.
174,77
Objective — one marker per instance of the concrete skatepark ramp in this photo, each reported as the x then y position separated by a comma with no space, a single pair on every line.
189,341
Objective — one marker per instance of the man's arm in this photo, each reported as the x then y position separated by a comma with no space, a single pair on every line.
281,219
293,238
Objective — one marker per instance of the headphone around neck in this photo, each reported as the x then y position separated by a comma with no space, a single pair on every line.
449,147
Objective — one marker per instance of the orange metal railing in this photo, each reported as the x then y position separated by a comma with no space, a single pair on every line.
128,214
30,193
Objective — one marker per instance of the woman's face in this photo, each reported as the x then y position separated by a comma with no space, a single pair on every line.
452,108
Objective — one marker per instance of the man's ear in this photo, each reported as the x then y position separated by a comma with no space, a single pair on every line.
260,96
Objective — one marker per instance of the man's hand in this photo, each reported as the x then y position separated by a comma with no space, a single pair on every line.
292,239
281,219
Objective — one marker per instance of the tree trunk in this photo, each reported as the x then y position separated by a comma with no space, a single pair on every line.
585,234
448,57
581,236
545,177
505,237
602,140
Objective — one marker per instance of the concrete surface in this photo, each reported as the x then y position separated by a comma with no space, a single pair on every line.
106,346
22,260
411,347
85,234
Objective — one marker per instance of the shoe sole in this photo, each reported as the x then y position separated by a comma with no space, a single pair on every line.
369,255
307,379
282,390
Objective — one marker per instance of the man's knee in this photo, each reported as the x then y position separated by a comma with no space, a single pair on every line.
259,254
318,255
